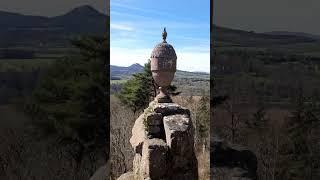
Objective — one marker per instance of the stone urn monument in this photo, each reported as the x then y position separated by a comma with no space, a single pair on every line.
163,135
163,67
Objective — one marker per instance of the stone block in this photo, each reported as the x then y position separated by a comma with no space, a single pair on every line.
138,134
154,130
179,138
126,176
102,173
167,109
179,134
154,119
162,138
154,161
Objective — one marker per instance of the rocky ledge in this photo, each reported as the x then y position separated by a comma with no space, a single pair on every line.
231,162
163,142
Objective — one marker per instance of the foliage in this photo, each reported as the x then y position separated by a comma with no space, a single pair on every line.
286,147
146,113
71,100
137,92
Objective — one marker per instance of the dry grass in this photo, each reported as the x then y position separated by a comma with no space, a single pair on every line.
25,154
202,151
121,152
203,164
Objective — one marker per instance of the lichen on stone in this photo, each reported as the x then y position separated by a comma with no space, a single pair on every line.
146,113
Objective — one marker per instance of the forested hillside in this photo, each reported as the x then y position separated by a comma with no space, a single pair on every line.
270,86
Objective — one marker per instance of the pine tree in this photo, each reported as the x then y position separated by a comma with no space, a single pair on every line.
138,91
141,89
71,100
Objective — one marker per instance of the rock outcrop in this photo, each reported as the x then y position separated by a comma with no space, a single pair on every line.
102,173
127,176
231,162
163,142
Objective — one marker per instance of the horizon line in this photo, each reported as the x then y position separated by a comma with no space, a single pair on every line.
57,15
261,32
177,69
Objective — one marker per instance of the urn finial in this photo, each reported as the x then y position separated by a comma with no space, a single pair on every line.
163,68
164,35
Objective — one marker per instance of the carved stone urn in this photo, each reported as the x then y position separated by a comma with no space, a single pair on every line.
163,67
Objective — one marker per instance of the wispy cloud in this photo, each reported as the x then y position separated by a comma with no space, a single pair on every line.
121,27
153,30
136,27
151,23
124,7
145,11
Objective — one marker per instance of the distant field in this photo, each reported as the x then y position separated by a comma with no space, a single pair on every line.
24,65
41,57
118,81
188,83
302,48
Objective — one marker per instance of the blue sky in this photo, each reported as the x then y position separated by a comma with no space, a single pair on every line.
137,25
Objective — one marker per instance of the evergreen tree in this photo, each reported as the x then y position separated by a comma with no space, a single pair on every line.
71,100
137,92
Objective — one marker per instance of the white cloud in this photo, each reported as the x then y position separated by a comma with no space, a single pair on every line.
187,60
126,56
193,61
129,7
121,27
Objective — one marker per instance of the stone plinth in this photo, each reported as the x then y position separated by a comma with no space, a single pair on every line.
155,159
162,138
179,137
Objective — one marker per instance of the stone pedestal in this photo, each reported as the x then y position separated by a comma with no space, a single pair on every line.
162,138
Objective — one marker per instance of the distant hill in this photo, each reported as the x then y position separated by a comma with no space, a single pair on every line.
189,83
223,36
301,34
119,72
84,19
24,30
